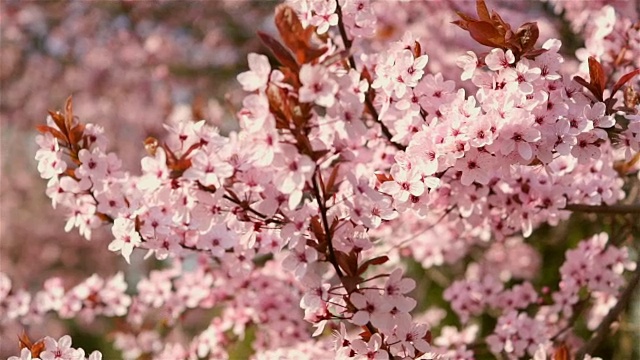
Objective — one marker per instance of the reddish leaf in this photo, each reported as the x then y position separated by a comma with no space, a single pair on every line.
527,35
58,119
171,157
623,80
151,145
295,37
462,24
104,217
597,77
375,261
631,97
43,129
57,134
318,154
279,51
351,282
68,112
37,348
366,75
317,229
365,334
70,173
329,187
417,49
580,80
584,83
383,177
347,263
289,27
499,24
76,134
428,337
532,54
24,341
464,21
486,34
561,353
483,12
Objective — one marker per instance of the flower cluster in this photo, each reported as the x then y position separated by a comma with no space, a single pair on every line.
51,349
592,266
93,297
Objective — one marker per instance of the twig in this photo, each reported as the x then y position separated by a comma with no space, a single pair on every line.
325,224
605,209
603,329
327,229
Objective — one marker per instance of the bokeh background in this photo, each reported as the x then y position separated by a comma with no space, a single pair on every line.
130,66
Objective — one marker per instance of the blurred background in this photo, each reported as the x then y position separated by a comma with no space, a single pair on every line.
130,66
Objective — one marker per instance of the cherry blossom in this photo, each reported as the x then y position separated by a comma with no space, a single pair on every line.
365,191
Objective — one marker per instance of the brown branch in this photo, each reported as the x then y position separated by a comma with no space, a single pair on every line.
605,209
328,238
325,225
604,328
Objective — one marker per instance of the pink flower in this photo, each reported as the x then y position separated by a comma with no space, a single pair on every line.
255,113
372,307
258,75
217,240
208,169
518,135
299,259
58,350
369,350
408,337
324,15
25,354
126,237
404,184
155,171
497,59
469,63
317,85
586,148
475,166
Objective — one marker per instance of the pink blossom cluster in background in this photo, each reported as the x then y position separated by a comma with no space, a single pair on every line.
382,197
133,66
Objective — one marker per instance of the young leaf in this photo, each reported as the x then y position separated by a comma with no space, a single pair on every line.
561,353
486,34
24,341
527,35
483,12
58,119
623,80
584,83
346,263
597,77
329,187
68,112
279,51
375,261
57,134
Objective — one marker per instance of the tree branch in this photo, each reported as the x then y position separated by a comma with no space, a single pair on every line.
605,209
325,225
603,329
